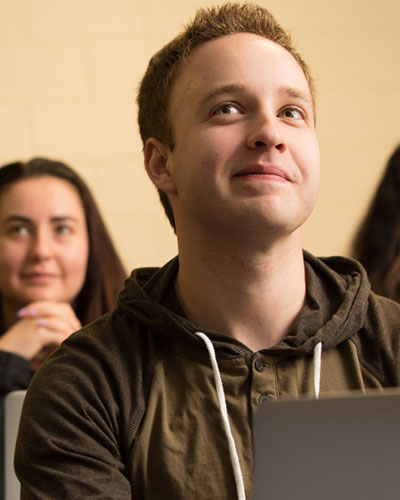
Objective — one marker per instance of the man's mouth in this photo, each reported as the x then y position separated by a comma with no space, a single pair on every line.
268,172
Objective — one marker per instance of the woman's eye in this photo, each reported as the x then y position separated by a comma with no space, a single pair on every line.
227,109
62,229
292,113
18,230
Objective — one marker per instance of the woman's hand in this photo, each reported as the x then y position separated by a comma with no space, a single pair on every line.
40,325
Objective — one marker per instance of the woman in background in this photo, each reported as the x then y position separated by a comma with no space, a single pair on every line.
377,242
58,267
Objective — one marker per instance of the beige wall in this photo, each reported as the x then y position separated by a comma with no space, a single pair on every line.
69,72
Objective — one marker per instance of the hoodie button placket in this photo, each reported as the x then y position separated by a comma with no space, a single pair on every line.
263,386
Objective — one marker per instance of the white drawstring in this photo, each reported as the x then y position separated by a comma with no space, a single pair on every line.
317,368
237,472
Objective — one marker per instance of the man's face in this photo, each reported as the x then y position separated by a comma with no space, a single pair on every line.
246,156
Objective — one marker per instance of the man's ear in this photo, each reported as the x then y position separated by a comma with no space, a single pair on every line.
156,156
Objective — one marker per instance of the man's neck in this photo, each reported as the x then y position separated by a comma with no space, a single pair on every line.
251,296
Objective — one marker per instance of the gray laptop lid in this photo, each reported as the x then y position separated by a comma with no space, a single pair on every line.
12,411
328,449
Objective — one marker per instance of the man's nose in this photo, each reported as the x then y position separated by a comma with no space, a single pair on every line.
266,132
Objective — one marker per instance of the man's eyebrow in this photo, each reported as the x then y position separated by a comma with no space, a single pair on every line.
234,88
296,94
230,88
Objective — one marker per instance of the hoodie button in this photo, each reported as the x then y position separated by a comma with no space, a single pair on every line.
259,365
262,399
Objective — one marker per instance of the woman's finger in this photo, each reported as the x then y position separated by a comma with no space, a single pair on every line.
51,309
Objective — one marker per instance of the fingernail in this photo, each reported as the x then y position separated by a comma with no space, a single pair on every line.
25,311
21,312
42,322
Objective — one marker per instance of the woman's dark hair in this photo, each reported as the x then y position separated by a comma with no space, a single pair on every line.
105,273
377,242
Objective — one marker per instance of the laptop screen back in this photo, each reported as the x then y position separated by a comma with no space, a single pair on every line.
12,411
338,448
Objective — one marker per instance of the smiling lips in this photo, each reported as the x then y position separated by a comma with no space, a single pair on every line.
39,277
266,172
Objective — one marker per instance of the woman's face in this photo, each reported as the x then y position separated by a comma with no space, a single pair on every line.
44,243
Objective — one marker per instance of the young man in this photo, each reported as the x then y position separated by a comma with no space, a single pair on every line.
132,405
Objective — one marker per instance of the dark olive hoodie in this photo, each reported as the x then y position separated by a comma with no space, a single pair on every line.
128,407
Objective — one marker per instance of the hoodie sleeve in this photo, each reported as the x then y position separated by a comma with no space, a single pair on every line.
77,421
66,446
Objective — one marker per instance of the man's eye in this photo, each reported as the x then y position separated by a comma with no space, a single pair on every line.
292,113
227,109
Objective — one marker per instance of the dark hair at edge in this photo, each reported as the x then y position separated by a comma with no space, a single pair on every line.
105,273
377,242
208,24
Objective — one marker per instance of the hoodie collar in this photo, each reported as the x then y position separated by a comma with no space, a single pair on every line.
335,306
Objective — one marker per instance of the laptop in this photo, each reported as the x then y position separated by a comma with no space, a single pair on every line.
12,411
339,448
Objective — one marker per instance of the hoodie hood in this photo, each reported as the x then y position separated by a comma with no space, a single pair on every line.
335,306
336,303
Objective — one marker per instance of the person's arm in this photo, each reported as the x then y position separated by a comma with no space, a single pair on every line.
15,372
72,438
